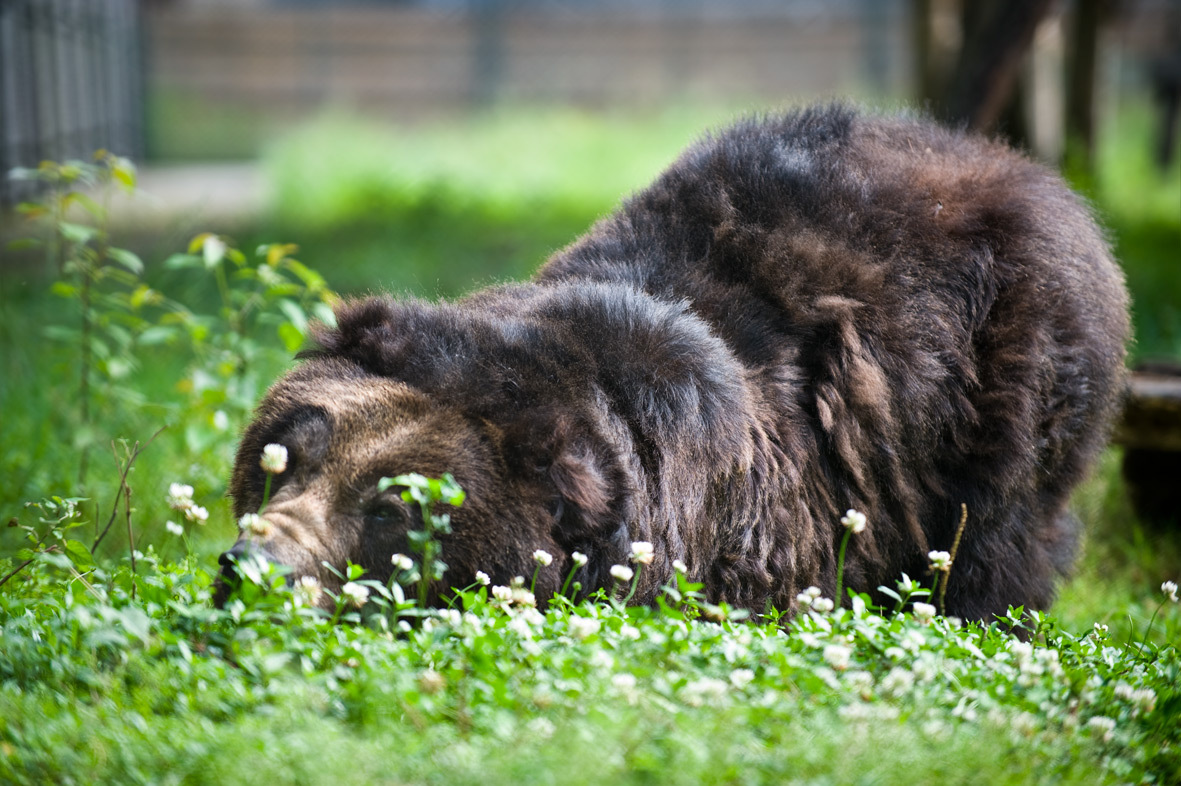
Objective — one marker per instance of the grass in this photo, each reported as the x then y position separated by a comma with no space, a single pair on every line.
99,686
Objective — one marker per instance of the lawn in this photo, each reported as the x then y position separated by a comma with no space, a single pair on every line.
120,670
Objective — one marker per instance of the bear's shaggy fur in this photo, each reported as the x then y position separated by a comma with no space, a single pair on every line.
805,313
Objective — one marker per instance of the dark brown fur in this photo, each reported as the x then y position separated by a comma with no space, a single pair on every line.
806,313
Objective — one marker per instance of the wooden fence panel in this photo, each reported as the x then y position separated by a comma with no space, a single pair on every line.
70,83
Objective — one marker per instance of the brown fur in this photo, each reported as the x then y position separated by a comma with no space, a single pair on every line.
805,313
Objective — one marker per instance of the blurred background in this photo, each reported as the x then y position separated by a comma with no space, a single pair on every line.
344,124
433,146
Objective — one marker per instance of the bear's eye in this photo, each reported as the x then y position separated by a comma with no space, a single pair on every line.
385,510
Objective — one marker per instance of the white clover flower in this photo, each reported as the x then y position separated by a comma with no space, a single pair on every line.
274,459
812,592
1144,699
1102,727
174,528
822,605
680,567
912,640
180,496
854,520
622,572
431,681
1100,630
642,552
701,691
520,626
307,590
740,678
197,513
805,600
502,594
578,558
1170,590
254,524
482,578
401,562
355,594
624,681
940,560
523,597
542,557
453,617
1025,723
925,668
897,682
861,682
1022,650
924,613
630,632
838,656
584,627
517,582
541,727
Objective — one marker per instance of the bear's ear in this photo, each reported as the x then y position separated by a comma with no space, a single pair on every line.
580,480
549,446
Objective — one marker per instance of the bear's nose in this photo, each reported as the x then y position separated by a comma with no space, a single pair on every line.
229,577
240,551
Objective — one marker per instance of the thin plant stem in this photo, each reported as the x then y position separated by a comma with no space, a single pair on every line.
135,451
955,547
1151,622
841,565
24,565
84,368
635,584
569,578
130,534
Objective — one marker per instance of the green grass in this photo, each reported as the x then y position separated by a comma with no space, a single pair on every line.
96,686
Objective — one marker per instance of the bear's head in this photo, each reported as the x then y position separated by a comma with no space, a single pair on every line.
535,477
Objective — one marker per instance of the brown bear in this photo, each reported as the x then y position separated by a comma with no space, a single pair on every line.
807,312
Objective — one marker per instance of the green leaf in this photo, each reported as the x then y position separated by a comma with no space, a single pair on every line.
24,173
32,209
61,333
76,233
198,242
324,313
64,289
88,204
183,261
297,315
80,554
24,244
277,251
156,335
127,259
291,336
123,170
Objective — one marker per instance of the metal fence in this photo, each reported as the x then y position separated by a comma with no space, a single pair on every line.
70,83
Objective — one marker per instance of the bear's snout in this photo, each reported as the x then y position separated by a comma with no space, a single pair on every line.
230,578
